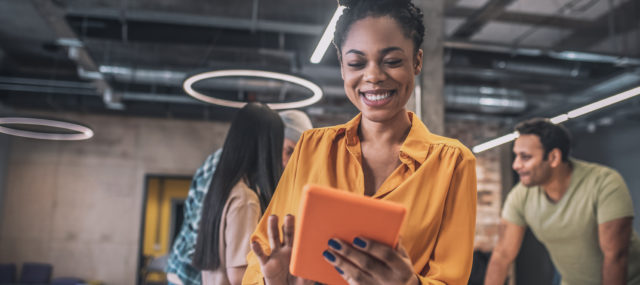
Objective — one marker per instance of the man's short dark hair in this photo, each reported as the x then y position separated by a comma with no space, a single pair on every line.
551,135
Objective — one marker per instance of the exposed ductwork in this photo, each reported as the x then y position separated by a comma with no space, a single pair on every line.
607,87
175,78
536,52
469,98
485,99
541,69
611,85
76,50
198,21
254,24
143,76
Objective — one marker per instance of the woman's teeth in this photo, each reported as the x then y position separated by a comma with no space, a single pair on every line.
378,97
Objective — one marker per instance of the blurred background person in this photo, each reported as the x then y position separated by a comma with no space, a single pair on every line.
179,268
295,123
241,188
580,211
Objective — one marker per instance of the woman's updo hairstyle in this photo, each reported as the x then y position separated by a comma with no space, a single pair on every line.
403,11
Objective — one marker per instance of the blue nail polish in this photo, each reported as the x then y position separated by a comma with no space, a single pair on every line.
339,270
359,243
329,256
334,244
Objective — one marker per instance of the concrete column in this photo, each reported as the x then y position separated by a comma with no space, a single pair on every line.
431,80
4,160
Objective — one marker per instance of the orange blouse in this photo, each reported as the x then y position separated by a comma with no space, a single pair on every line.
436,182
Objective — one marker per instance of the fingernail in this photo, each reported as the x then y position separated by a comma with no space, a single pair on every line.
329,256
334,244
359,243
339,270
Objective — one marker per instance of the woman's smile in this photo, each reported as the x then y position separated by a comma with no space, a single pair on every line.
377,97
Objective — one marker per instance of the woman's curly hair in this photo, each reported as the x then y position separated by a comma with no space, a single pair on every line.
408,16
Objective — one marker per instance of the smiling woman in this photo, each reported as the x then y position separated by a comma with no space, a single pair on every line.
379,78
385,152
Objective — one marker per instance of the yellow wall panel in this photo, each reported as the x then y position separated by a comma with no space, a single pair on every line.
160,193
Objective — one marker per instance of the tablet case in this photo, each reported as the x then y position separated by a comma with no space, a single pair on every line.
331,213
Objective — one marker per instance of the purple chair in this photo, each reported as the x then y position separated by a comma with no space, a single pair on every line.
7,273
36,273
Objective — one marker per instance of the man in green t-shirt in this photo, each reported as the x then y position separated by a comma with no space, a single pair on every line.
581,212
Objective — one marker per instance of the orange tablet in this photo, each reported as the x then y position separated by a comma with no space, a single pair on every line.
331,213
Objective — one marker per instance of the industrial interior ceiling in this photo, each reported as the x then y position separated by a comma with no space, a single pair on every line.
504,59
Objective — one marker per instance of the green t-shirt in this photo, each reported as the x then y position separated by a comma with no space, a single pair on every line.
569,228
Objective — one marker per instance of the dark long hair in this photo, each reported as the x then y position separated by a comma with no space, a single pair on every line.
252,151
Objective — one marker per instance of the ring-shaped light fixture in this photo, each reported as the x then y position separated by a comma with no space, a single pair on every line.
83,132
315,89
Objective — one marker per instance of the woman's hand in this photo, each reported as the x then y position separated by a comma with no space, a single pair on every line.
275,267
368,262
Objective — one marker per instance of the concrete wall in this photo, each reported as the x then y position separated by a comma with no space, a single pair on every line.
78,205
615,146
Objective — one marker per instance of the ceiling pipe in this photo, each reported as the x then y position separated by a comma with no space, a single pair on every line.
143,76
47,89
469,98
485,99
195,20
176,78
611,85
46,82
537,52
102,87
608,86
541,69
542,83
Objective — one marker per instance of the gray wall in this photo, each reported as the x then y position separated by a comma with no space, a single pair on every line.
77,205
617,146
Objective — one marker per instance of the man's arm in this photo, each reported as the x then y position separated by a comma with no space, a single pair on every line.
614,237
505,252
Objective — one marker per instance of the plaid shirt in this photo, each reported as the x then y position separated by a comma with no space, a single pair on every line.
184,244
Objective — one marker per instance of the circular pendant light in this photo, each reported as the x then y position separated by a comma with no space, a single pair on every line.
81,132
314,88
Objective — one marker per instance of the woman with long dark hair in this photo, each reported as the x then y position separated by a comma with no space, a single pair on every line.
241,188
